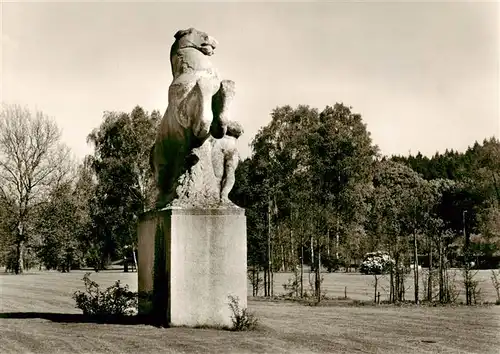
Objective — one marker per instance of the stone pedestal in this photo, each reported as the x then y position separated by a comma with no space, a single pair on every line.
189,262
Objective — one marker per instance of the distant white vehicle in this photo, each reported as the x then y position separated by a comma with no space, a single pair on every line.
412,266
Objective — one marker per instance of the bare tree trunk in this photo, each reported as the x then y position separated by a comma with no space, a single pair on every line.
441,278
19,266
283,265
497,190
135,258
430,279
402,286
265,282
328,241
402,280
415,266
271,270
391,279
253,281
467,259
391,285
271,283
302,271
312,252
257,281
269,253
318,272
292,243
396,281
337,238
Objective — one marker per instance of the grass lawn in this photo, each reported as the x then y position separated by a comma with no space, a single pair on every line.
360,287
35,316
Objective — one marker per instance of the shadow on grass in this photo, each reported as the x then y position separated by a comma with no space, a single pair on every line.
118,320
80,318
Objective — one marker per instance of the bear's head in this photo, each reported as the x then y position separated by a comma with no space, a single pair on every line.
192,38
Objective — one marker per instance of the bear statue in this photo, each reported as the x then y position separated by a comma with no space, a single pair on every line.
198,108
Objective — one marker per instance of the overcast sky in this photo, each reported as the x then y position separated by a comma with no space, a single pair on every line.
424,76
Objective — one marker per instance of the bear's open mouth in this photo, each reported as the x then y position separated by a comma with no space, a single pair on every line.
205,45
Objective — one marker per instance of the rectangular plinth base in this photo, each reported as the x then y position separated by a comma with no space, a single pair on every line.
189,262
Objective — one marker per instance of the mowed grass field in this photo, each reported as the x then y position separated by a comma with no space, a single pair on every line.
35,317
360,286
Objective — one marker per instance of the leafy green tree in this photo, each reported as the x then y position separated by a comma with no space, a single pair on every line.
58,229
7,235
63,222
124,182
312,171
402,202
83,196
314,190
438,237
247,193
459,210
342,155
278,161
487,242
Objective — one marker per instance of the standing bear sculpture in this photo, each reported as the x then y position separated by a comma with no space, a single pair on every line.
198,107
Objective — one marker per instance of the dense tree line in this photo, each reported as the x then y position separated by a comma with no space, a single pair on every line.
476,194
316,190
60,214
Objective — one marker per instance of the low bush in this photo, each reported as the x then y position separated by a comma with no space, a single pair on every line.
331,263
242,319
116,300
495,280
376,264
292,286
